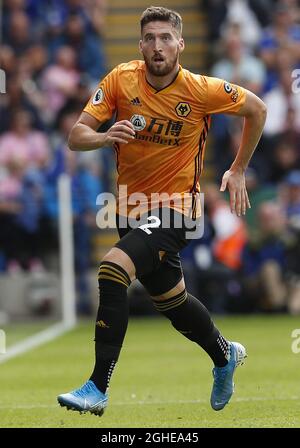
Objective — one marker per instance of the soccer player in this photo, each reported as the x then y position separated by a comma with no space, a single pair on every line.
162,120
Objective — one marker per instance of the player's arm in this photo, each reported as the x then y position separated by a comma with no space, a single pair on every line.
84,135
254,111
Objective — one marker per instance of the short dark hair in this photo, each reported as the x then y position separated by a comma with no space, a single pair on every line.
154,13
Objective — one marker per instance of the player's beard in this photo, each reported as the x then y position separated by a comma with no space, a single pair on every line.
161,70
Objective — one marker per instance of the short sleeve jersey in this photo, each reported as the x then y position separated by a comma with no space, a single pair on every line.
166,156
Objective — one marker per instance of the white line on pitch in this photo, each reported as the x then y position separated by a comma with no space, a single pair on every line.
35,341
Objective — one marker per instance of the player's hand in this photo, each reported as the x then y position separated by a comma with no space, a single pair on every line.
120,132
235,181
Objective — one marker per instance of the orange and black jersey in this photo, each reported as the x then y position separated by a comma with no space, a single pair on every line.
171,126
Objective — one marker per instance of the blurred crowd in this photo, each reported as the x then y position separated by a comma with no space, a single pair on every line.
53,56
253,263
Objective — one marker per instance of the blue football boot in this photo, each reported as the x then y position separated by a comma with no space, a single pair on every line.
223,386
87,398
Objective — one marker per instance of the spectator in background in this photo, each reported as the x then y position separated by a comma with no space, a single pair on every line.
274,252
216,11
237,66
87,45
92,13
60,81
86,185
21,195
264,260
24,152
19,37
258,192
97,13
239,12
23,142
285,107
7,60
10,207
282,127
23,89
290,197
274,246
286,157
52,14
212,263
282,34
199,267
11,7
37,57
230,232
253,13
40,97
17,98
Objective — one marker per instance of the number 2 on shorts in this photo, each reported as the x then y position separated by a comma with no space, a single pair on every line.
151,225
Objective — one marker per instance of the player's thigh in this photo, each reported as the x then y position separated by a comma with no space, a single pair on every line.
153,246
119,257
168,277
143,255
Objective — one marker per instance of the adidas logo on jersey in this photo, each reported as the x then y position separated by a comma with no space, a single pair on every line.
136,102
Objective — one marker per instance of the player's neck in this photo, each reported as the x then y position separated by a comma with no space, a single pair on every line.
161,82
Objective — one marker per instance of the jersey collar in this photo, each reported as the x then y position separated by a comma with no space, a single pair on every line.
166,89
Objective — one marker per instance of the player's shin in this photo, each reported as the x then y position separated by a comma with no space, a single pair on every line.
191,318
111,323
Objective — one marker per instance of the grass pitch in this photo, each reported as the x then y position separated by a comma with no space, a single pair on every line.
162,380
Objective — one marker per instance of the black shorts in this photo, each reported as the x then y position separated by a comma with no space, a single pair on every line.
153,244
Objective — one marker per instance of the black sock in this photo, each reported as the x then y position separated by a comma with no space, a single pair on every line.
112,321
191,318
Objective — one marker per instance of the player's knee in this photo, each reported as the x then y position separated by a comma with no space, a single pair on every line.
160,298
165,297
177,290
120,258
113,280
165,306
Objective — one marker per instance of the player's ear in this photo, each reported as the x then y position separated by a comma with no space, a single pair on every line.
181,45
140,46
